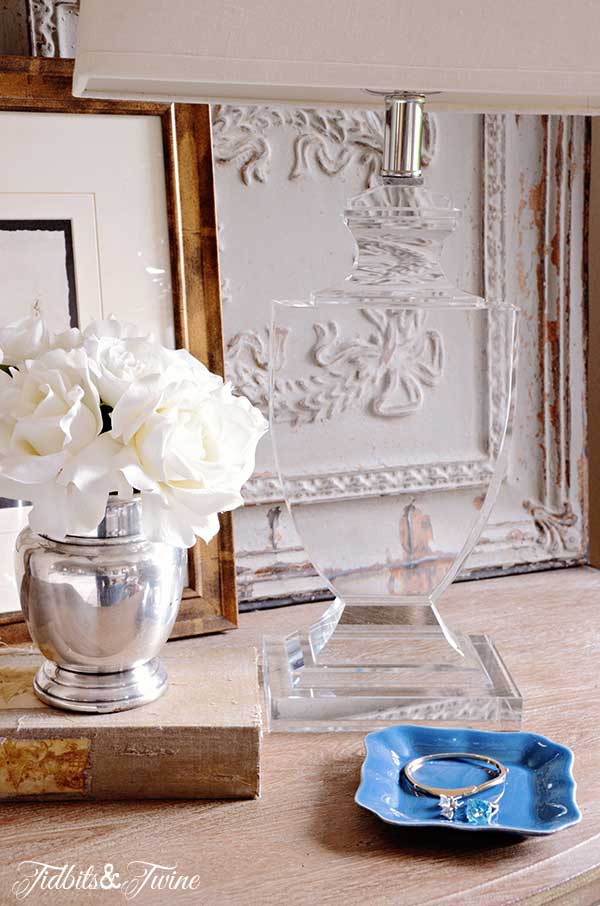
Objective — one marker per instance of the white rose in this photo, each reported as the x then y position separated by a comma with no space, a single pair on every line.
119,358
30,338
232,427
177,433
49,411
74,503
71,338
191,451
112,327
22,340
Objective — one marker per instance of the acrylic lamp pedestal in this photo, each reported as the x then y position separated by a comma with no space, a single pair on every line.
340,675
391,409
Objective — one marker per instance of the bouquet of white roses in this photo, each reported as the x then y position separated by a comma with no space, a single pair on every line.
108,410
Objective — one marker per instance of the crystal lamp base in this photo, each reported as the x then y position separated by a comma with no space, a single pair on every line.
345,675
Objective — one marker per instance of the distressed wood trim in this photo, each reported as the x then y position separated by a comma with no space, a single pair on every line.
34,83
29,84
551,533
494,208
14,27
594,346
555,513
198,326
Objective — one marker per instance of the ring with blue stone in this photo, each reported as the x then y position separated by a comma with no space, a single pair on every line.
477,811
480,811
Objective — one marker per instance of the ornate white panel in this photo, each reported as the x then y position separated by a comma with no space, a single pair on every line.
521,182
53,25
283,176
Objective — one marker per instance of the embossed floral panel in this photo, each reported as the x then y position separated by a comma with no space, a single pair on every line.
283,178
520,183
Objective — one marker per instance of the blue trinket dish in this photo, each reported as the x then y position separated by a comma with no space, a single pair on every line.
538,796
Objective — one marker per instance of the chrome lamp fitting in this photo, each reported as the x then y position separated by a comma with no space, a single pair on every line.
403,137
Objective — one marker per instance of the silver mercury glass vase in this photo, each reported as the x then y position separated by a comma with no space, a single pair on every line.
100,609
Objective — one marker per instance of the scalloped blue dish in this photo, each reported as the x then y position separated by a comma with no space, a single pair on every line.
539,794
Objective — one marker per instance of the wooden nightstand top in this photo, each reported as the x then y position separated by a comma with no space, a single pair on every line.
306,842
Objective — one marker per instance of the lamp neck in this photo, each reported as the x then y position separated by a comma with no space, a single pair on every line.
403,137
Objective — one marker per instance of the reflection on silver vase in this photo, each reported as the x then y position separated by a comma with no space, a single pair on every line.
100,608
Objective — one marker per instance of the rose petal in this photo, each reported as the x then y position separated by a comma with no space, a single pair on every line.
137,403
32,469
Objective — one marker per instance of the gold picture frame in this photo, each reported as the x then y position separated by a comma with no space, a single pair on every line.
44,85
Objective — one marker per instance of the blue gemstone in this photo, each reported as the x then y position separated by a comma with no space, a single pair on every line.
479,811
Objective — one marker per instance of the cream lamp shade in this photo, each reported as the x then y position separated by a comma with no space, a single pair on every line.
483,55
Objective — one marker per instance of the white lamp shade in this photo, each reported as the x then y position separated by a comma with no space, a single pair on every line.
485,55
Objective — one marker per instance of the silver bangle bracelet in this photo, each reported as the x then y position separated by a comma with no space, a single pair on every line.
451,798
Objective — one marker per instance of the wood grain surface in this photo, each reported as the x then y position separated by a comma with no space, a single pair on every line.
14,27
306,842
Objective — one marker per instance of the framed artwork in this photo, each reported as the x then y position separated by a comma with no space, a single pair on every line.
108,208
48,245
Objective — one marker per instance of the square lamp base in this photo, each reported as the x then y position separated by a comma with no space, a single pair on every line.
364,678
